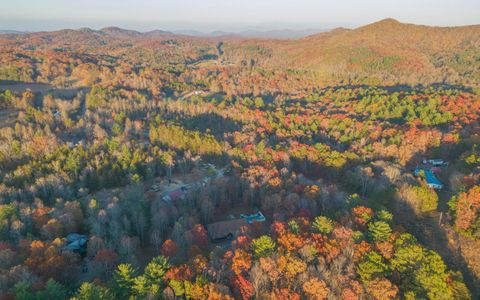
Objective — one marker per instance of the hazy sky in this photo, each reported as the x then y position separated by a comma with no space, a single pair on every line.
209,15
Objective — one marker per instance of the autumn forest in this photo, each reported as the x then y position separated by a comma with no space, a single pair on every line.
151,165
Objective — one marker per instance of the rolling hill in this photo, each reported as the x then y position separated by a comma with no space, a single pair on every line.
384,49
385,52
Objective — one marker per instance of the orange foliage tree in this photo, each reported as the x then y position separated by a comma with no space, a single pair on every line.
382,289
315,289
467,208
242,261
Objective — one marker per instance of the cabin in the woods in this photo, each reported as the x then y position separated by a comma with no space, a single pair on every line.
226,229
76,242
432,180
178,194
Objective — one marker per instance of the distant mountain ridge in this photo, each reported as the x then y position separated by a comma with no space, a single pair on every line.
269,34
384,50
127,33
12,32
382,26
118,32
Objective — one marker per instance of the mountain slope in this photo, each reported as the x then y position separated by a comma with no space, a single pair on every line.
383,49
385,52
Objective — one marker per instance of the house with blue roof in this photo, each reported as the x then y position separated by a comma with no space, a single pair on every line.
432,180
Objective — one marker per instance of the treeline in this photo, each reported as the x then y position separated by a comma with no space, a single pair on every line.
300,258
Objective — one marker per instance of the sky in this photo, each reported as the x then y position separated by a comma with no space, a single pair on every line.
230,15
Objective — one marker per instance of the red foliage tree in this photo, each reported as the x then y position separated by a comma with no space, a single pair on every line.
200,236
285,294
362,214
242,288
278,228
182,272
169,248
242,242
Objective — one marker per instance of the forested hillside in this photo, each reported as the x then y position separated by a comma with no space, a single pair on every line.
383,53
344,165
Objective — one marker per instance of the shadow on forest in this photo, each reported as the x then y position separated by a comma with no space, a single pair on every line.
41,88
21,86
399,87
433,235
430,229
211,123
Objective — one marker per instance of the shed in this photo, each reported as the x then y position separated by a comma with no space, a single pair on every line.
258,217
